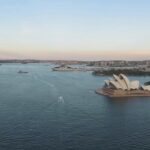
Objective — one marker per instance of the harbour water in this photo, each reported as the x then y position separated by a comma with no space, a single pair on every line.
46,110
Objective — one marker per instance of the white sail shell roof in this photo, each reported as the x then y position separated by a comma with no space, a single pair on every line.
107,82
134,85
147,87
122,82
126,80
115,84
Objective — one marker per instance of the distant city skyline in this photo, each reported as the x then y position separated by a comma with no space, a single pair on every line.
75,29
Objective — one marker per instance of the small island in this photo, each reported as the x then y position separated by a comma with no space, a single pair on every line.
64,67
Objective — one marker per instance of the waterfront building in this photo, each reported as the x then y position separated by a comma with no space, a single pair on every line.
122,82
121,86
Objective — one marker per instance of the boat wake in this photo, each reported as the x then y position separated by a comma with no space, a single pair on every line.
61,99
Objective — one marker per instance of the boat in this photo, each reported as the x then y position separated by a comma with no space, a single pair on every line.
121,86
20,71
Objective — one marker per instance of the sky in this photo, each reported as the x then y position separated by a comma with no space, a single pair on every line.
75,29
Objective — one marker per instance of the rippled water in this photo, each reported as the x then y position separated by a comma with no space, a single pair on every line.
45,110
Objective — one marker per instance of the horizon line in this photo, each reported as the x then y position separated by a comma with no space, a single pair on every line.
69,60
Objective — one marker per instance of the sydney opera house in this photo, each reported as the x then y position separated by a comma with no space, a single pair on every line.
121,86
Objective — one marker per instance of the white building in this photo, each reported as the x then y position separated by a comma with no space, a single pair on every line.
122,82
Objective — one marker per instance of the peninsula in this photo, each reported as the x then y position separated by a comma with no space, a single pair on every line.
121,86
